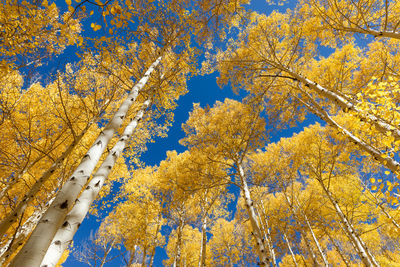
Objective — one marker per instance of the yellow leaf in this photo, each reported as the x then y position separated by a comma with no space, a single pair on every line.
387,172
372,180
68,2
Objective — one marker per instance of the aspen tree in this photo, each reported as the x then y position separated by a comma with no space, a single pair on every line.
276,58
239,131
376,18
55,214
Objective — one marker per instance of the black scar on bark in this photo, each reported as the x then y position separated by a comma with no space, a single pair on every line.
64,205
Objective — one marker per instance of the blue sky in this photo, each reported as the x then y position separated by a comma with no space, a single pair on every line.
203,90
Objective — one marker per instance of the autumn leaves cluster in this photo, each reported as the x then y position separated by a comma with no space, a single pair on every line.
326,196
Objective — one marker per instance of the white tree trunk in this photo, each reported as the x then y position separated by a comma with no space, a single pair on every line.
388,162
309,248
132,256
203,246
262,252
267,235
375,33
362,250
20,208
346,105
177,258
321,252
316,242
34,250
290,249
74,218
338,250
25,230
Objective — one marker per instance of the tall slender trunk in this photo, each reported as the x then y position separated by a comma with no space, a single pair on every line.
20,208
362,250
290,249
343,103
77,214
308,245
386,161
262,252
315,239
177,258
203,247
375,33
267,234
317,244
379,203
310,250
338,250
153,251
22,233
132,256
144,257
34,250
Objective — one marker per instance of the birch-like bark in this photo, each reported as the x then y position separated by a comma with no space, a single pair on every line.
310,250
177,258
315,239
34,250
132,256
144,257
153,251
316,242
290,249
375,33
379,203
388,162
338,250
267,235
26,229
74,218
343,103
20,208
203,247
308,245
262,252
362,250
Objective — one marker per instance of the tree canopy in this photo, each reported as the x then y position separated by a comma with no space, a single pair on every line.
296,163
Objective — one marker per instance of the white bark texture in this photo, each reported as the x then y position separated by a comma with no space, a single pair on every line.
32,253
203,246
308,245
388,162
346,105
362,250
74,218
267,235
290,250
375,33
262,252
20,208
177,258
321,252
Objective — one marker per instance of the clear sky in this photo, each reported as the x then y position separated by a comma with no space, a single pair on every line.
203,90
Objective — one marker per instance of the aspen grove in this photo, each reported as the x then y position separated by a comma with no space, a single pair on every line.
118,149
